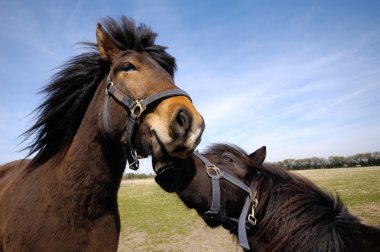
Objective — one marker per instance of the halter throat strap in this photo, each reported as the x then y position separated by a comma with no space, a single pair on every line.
247,216
135,109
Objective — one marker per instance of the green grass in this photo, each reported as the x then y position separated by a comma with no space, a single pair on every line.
154,214
153,220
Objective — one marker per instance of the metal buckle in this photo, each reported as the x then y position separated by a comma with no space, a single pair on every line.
109,83
217,173
135,164
252,220
251,217
255,201
138,109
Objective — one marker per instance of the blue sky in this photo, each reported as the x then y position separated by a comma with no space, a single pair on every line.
301,77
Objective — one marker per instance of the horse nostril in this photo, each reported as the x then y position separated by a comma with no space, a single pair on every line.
181,122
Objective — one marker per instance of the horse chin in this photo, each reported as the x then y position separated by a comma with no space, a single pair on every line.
211,222
163,168
174,175
165,175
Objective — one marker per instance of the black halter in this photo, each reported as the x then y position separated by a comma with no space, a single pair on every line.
135,108
246,219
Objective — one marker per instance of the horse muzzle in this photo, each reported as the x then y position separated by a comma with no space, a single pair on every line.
176,128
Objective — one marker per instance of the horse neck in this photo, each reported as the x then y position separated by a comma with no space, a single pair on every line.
290,206
93,167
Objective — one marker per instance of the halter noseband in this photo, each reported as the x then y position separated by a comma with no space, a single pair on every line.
246,219
135,109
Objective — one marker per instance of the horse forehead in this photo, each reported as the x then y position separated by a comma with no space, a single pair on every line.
216,156
138,58
235,152
240,154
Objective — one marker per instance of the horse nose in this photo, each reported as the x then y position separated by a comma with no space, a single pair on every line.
181,122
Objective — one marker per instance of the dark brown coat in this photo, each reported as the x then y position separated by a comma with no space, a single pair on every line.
65,198
293,214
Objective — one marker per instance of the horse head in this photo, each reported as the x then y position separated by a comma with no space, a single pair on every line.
190,179
145,98
113,103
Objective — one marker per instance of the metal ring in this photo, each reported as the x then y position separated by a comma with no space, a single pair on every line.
255,202
252,220
216,170
109,84
138,109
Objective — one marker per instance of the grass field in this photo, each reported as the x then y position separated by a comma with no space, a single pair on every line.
153,220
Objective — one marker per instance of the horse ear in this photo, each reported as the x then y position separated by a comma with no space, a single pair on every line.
258,156
107,47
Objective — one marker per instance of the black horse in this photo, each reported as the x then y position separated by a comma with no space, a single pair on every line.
292,213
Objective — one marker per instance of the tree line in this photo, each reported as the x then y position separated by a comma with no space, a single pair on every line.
358,160
138,176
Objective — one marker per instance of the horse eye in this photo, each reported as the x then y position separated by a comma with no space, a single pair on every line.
128,67
227,158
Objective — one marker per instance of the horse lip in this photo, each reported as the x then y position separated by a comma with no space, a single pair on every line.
160,144
160,167
180,152
212,222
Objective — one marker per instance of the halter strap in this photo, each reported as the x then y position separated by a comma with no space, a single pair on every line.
222,174
247,217
135,109
242,232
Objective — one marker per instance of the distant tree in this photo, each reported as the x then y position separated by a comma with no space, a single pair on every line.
137,176
361,159
337,161
289,163
317,163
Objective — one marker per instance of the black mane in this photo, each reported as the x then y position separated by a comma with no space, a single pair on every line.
72,88
293,214
220,148
292,201
298,212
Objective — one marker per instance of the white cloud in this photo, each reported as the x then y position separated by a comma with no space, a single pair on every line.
266,79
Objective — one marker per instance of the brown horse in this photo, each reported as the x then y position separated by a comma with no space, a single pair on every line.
115,102
276,209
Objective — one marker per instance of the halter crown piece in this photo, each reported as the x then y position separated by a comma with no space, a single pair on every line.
135,109
247,219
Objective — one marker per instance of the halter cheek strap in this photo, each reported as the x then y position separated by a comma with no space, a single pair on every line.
247,216
135,109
